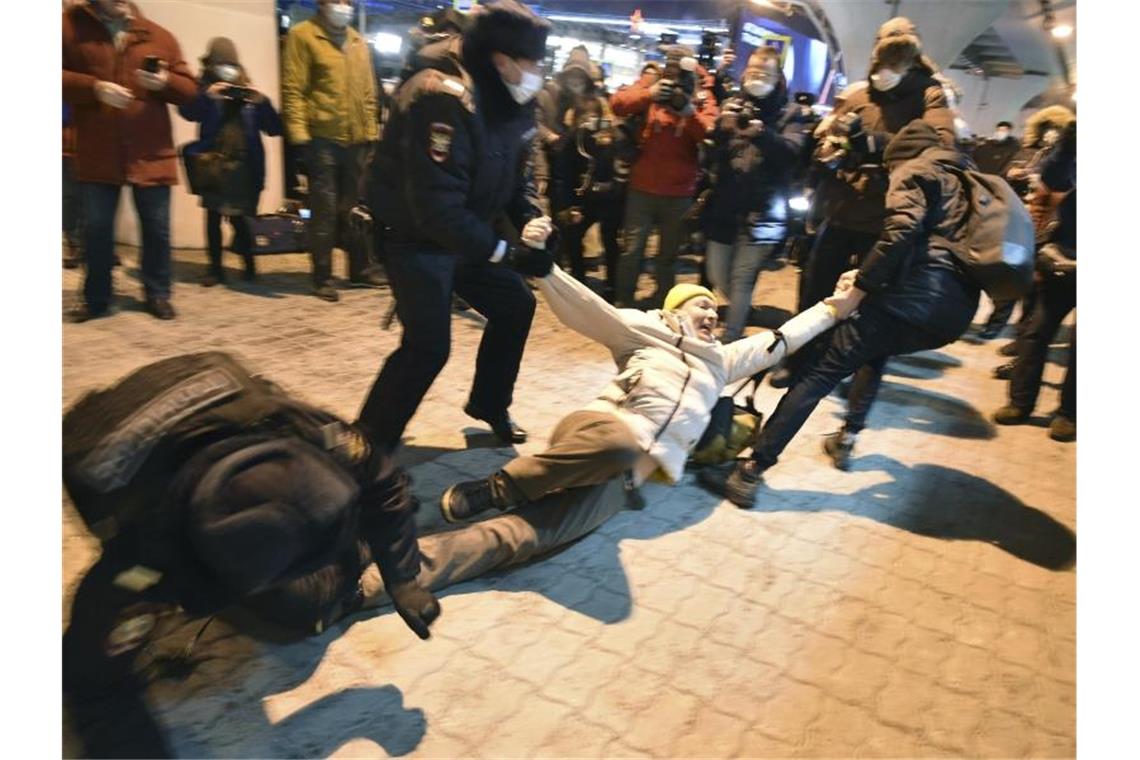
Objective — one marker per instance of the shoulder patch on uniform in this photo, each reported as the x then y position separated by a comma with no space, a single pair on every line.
439,141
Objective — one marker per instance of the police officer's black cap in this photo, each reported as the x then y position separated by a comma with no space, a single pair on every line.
511,28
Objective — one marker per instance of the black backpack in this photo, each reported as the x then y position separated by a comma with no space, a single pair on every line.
998,252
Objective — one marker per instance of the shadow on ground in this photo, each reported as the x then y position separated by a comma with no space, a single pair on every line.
940,502
924,410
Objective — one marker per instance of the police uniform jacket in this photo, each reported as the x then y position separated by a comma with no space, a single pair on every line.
452,171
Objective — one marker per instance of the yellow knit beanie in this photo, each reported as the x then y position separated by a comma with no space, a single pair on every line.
679,294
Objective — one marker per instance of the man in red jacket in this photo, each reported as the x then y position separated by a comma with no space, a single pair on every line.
678,113
119,73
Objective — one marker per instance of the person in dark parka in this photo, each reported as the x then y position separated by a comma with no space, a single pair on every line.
451,187
911,293
232,117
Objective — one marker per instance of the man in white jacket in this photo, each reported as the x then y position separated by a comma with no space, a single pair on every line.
671,371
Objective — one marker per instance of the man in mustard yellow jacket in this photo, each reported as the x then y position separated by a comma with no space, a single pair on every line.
328,101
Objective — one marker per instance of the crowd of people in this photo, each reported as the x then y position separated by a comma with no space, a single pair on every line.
483,176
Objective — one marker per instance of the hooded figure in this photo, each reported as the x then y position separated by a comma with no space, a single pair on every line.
551,107
911,294
749,167
232,117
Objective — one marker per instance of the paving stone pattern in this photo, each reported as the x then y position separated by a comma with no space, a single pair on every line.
919,605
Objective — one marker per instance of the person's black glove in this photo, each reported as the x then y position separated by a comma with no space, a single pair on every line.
416,605
662,91
533,262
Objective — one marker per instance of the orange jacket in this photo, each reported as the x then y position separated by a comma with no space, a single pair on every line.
667,163
133,145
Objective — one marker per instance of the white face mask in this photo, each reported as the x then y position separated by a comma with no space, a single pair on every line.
758,88
885,79
338,15
227,72
1051,136
526,89
1001,134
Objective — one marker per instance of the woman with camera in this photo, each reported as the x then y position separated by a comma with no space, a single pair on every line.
226,166
756,145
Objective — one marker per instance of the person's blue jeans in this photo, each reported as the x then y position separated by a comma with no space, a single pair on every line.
100,204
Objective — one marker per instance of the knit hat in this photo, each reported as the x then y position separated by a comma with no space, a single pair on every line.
579,58
510,28
910,142
221,50
262,511
686,291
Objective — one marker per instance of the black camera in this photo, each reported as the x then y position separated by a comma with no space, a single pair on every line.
151,64
237,93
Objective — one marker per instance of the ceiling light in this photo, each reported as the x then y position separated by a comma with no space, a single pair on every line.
1061,31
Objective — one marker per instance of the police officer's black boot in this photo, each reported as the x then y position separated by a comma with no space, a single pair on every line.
501,423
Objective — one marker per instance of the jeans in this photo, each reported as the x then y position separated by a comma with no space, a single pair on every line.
643,212
336,184
72,206
1057,296
733,270
241,241
422,284
868,338
100,202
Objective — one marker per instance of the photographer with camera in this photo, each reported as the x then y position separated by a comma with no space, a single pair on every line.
756,146
120,71
329,104
678,113
900,88
228,155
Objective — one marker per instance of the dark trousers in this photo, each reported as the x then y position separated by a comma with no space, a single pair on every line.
835,250
422,284
240,245
605,212
72,206
100,203
336,184
1057,296
866,340
643,212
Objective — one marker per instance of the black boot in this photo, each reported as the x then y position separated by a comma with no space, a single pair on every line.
463,501
501,423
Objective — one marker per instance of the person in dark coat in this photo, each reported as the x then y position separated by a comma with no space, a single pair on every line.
233,115
587,187
451,186
901,86
755,148
1057,296
911,293
551,106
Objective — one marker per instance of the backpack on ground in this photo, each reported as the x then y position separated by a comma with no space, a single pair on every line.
998,252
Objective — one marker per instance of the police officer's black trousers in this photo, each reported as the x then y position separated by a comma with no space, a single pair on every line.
1056,297
422,284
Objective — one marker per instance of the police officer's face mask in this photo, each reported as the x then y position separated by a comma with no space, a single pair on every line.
227,72
885,79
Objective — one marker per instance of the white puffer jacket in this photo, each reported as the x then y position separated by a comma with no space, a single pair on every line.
669,379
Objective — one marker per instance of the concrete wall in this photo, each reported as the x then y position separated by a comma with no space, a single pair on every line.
985,104
252,25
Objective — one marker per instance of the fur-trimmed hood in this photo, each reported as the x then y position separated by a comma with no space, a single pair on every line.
1059,116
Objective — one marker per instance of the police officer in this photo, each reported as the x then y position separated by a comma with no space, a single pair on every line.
450,184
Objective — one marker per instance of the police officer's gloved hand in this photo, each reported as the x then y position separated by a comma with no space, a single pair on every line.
416,605
533,262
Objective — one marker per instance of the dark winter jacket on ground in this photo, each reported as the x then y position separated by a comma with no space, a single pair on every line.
911,272
256,118
853,197
133,145
750,170
451,173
